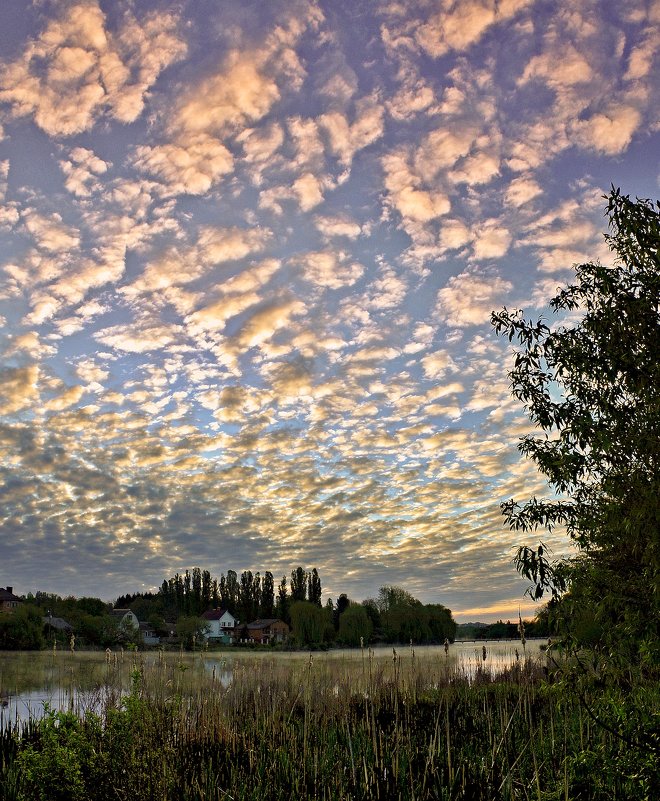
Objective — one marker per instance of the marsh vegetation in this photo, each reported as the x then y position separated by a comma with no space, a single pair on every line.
413,724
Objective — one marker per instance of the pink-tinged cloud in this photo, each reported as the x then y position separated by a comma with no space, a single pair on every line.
77,70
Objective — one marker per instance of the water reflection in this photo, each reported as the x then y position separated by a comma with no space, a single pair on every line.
32,682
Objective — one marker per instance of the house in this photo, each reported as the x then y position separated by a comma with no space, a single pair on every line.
125,618
265,632
56,624
221,625
149,635
8,601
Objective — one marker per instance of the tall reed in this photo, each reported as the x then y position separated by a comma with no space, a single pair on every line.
211,729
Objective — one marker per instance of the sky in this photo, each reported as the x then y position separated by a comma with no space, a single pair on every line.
249,255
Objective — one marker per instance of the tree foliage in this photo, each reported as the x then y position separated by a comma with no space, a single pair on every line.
314,587
21,630
591,385
298,585
355,628
191,630
397,616
311,624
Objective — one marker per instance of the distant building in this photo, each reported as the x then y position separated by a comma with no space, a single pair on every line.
125,618
149,635
57,623
221,626
265,632
8,601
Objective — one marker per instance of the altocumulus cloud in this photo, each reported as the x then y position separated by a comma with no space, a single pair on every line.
249,255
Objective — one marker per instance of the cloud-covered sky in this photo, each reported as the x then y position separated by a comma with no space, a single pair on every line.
249,255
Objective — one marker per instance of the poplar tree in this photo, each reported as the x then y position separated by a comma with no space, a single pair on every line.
298,585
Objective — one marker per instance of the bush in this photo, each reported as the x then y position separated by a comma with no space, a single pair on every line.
22,630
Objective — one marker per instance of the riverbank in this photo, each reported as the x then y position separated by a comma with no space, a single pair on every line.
397,728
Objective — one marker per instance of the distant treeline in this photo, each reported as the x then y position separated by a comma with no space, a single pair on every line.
393,616
35,623
539,627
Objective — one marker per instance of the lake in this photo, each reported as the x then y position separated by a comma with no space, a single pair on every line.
88,680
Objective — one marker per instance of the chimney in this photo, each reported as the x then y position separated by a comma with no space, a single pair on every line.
10,590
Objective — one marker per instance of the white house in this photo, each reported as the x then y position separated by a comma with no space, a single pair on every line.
221,625
125,617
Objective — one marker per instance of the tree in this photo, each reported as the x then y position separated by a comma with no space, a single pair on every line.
267,595
390,597
298,585
224,594
440,623
311,624
314,587
355,628
404,623
22,630
343,602
187,592
142,608
177,587
283,601
592,387
191,631
97,630
196,592
232,591
93,606
247,601
206,592
373,613
129,634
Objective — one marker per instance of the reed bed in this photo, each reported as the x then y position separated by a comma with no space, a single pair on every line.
202,728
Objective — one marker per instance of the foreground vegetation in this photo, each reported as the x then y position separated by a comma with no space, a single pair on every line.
405,727
590,383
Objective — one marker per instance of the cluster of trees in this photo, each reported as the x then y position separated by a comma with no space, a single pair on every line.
247,596
501,630
393,616
89,618
22,630
399,617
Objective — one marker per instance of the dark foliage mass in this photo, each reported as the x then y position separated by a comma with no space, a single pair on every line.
591,385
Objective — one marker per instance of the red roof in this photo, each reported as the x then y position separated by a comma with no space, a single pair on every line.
262,624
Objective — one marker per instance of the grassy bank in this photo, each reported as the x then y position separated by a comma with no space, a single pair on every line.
374,729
